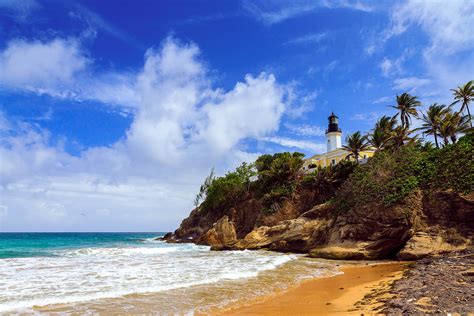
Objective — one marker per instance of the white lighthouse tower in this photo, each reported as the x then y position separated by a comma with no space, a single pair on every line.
333,133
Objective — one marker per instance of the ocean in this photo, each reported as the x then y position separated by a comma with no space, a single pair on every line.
133,272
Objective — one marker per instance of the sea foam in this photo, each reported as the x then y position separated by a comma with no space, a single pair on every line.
83,274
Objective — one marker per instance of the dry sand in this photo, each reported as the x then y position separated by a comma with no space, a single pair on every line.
332,295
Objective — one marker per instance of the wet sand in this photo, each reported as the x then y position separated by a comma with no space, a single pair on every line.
332,295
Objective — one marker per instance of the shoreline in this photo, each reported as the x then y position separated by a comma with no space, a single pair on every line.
346,293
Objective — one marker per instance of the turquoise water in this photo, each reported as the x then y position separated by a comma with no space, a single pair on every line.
24,245
39,269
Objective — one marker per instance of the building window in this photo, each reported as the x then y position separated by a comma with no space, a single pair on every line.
333,162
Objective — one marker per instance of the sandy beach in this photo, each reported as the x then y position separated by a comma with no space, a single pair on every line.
331,295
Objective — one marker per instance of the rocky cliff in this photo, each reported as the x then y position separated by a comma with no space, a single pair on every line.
423,223
406,203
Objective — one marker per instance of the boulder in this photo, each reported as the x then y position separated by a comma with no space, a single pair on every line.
290,235
221,236
422,245
351,251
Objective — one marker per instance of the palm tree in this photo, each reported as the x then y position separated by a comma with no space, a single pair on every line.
465,94
385,123
400,136
378,139
452,124
432,120
322,182
355,143
381,132
406,106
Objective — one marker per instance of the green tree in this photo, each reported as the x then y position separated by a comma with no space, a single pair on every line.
204,187
406,106
400,136
465,94
381,132
355,143
432,120
452,124
279,168
385,123
378,138
324,181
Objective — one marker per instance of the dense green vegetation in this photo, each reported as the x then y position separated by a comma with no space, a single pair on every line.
403,162
390,176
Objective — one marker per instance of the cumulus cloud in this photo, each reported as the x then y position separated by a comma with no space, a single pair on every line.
40,65
60,68
181,128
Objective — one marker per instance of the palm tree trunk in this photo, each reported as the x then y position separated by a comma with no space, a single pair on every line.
469,114
436,140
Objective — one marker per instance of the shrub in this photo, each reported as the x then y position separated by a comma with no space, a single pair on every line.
454,166
227,190
388,177
278,168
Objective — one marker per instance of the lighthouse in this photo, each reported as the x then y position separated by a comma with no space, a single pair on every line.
333,133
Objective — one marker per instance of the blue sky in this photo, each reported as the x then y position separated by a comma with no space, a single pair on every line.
112,112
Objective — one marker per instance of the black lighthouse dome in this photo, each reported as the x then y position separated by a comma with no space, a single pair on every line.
333,125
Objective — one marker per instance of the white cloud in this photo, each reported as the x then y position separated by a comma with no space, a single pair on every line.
392,67
449,26
448,58
386,66
383,99
244,113
95,22
181,128
366,117
299,102
310,38
41,65
60,68
272,12
349,4
305,130
410,84
20,10
329,68
298,144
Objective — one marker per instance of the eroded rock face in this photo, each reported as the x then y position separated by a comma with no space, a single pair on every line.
290,235
370,232
422,224
421,245
352,251
221,236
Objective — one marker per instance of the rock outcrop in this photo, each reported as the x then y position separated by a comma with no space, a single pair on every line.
421,244
423,224
221,236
